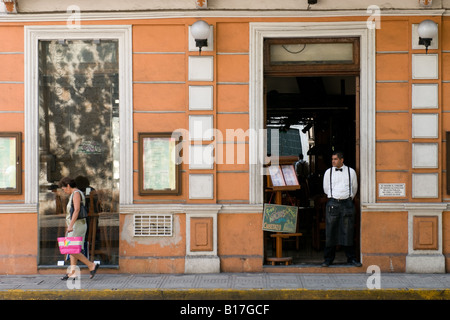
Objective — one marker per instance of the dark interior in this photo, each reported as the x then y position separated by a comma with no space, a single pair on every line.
323,109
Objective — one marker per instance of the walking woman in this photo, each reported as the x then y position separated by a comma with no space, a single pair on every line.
76,227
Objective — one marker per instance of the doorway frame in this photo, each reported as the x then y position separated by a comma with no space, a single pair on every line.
33,34
366,32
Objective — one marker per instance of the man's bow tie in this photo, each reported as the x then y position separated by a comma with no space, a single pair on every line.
338,169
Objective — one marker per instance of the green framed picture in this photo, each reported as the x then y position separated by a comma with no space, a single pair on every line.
10,162
159,170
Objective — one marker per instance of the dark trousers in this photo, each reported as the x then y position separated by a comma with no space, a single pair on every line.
330,253
339,224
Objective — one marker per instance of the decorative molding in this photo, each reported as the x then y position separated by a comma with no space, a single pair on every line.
428,260
398,207
9,6
18,208
184,208
168,14
202,261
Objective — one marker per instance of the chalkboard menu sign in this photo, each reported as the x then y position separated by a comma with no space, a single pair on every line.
280,218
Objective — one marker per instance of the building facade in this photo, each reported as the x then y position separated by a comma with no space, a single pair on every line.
173,141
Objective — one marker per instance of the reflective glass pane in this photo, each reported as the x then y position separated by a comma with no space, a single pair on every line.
79,138
311,53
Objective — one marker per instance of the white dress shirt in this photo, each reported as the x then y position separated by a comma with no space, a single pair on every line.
340,189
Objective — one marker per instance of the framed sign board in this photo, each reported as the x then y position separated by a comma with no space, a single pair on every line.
159,168
290,177
276,176
283,178
280,218
10,162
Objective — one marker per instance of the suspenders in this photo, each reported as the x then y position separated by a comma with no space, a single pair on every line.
349,183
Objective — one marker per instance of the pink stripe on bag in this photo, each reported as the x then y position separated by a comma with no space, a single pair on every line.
70,245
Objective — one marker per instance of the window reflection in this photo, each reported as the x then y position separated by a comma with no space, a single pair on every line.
79,137
311,53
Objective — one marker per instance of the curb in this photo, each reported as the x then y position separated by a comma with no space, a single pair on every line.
226,294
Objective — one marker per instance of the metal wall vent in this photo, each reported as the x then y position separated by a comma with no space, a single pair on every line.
152,225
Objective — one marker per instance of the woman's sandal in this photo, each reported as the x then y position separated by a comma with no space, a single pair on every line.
94,271
67,277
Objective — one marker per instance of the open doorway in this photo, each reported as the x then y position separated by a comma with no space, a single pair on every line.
311,92
315,115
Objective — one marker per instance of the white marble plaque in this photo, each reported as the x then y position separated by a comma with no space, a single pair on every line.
201,127
425,66
425,185
201,156
424,125
391,190
201,97
201,186
425,95
201,68
424,155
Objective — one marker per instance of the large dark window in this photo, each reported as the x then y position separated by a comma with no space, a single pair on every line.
79,137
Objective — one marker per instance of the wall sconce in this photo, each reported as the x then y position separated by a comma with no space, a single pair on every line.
200,32
427,30
310,2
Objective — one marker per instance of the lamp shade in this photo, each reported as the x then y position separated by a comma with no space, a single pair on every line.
427,29
200,30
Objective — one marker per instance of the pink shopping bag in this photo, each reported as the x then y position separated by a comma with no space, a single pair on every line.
70,245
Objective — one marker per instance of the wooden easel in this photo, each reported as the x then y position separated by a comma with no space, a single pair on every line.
289,185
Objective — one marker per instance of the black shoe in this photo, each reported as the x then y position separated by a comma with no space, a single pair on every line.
67,277
325,264
93,272
355,263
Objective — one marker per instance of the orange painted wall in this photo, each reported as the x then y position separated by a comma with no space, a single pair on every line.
393,97
18,246
384,240
446,239
160,83
152,254
240,245
394,138
11,86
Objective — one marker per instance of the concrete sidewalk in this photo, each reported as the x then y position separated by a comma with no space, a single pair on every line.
228,286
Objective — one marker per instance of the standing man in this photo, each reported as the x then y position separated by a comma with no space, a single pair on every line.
302,171
340,184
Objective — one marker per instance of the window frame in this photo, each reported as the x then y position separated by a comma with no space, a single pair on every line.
177,164
18,188
308,69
